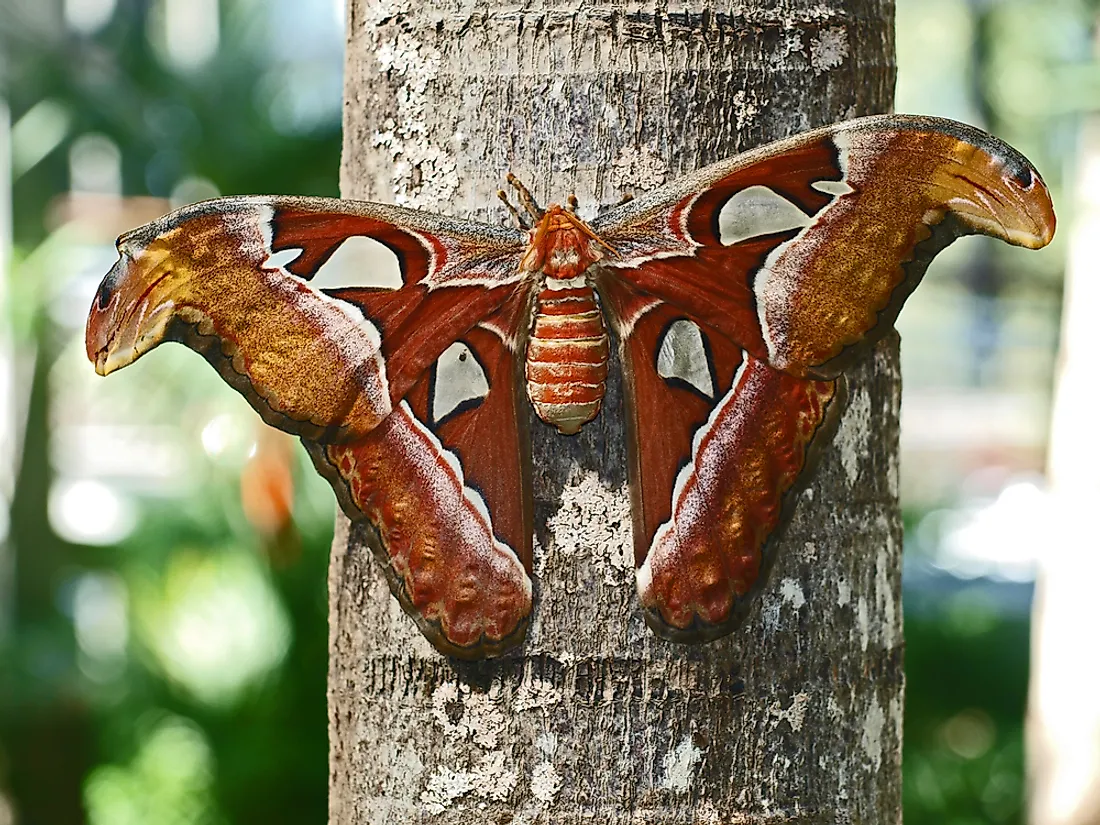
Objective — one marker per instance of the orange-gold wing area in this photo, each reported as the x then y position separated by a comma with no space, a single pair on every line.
729,502
803,251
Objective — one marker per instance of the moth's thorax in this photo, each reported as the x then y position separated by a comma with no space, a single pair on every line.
561,245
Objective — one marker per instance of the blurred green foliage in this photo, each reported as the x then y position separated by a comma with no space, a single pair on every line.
966,671
177,676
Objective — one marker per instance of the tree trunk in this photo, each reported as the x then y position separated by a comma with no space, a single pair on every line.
796,717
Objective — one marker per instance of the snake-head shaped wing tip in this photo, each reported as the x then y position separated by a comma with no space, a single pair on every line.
131,310
996,190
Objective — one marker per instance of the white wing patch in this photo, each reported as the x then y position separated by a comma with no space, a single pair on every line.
756,211
359,262
458,378
836,188
684,357
277,260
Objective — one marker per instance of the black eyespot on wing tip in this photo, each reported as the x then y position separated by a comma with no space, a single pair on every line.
1024,176
104,293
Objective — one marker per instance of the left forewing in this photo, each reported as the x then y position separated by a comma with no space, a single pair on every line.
323,313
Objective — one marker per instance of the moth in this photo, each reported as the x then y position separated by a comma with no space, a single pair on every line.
400,346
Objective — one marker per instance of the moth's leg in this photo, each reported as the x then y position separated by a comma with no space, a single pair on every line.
525,198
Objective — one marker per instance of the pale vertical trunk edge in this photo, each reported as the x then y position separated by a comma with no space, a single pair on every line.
797,717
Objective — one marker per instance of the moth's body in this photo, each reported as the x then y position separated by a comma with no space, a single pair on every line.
568,347
737,295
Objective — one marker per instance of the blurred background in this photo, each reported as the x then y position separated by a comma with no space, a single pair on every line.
162,636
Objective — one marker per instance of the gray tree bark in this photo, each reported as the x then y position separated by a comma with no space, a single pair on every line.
797,717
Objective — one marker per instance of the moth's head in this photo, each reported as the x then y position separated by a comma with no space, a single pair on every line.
135,302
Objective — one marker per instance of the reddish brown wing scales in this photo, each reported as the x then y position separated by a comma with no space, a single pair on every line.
319,234
489,434
706,562
663,413
448,492
862,208
417,321
467,591
249,282
675,251
801,253
417,324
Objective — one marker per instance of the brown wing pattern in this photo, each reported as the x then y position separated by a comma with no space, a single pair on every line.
710,558
727,441
788,260
738,294
249,283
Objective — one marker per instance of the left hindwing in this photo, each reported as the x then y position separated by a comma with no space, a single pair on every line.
718,444
738,294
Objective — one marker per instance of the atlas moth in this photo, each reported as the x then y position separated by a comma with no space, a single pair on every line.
399,346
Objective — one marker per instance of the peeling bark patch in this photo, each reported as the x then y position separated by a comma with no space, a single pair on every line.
466,715
425,173
769,612
791,44
829,49
545,783
535,694
863,622
746,109
489,779
638,169
444,787
492,777
547,744
891,618
843,592
873,723
855,433
795,715
591,520
679,766
897,715
893,474
792,594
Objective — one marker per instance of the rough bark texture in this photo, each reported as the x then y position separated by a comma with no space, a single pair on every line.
797,717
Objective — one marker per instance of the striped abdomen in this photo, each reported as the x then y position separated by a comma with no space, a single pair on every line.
567,355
